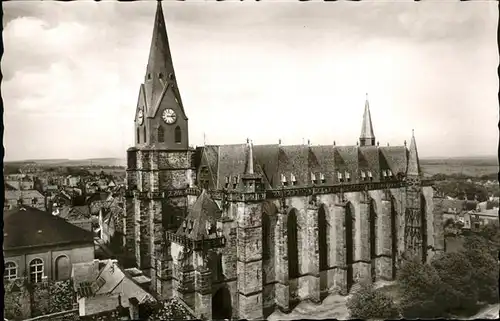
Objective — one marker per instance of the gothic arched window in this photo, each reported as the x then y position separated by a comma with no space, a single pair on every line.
138,136
144,128
178,134
161,135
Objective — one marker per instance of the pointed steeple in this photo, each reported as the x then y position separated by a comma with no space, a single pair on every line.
367,137
413,163
249,160
160,69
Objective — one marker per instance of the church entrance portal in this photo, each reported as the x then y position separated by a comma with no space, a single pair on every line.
221,304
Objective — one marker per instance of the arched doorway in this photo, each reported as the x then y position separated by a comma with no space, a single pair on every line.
349,243
221,304
63,269
423,226
373,237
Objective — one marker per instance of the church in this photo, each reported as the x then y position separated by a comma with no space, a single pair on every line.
240,230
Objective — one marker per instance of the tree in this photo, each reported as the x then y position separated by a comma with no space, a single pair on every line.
421,290
456,274
482,251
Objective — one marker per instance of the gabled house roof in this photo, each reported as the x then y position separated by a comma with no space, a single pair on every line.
30,227
97,280
204,210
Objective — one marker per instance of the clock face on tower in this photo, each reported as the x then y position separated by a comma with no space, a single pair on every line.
140,116
169,116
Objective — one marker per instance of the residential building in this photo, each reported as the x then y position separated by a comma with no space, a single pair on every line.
41,246
102,286
34,198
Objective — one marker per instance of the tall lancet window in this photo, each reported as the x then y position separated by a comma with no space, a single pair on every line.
161,135
144,135
178,134
138,136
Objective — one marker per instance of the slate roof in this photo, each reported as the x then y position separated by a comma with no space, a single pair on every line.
272,161
204,210
28,226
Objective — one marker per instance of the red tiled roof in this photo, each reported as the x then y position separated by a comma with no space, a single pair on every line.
29,227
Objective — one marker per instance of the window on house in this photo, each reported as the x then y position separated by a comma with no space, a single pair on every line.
363,176
10,271
322,178
178,135
339,175
347,176
144,130
36,270
370,176
293,179
227,182
235,181
389,173
161,135
34,201
149,76
138,136
384,173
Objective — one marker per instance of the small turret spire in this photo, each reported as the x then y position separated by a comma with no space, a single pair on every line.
249,161
413,163
367,137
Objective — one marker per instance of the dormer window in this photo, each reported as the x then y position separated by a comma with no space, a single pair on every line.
370,177
283,180
313,178
339,175
293,180
227,182
322,178
363,176
384,173
389,173
347,176
235,181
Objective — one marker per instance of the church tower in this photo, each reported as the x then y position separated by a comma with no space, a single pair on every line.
159,166
367,138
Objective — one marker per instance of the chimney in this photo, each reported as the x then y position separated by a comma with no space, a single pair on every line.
133,308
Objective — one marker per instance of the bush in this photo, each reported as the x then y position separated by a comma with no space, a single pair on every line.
169,310
368,303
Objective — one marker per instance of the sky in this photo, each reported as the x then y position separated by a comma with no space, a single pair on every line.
267,70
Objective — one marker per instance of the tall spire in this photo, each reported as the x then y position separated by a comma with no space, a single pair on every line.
249,160
367,137
160,69
413,163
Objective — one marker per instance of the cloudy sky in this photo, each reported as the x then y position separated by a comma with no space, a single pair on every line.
265,70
